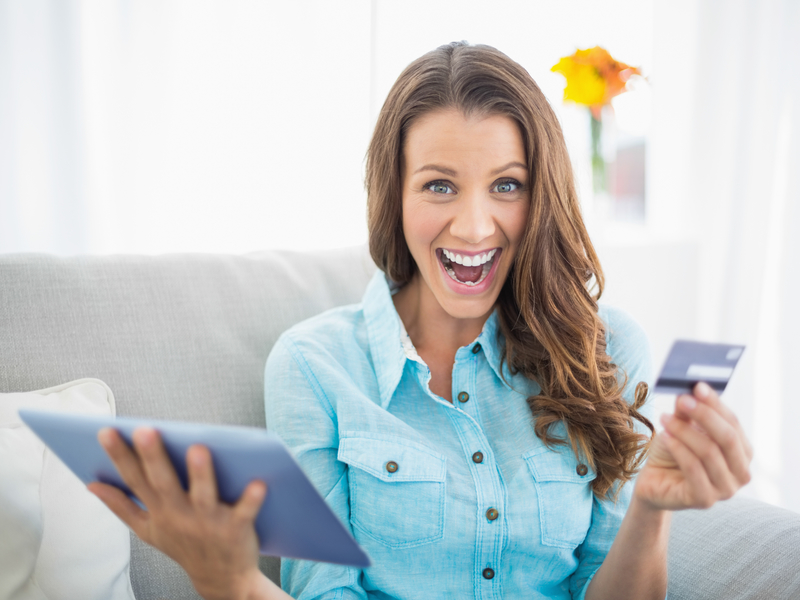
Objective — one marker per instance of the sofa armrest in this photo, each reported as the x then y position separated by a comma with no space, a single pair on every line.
740,549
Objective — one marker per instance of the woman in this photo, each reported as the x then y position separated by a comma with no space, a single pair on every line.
476,418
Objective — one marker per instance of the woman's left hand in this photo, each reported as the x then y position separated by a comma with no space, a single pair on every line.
701,456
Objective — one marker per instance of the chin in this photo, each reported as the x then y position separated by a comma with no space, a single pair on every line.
459,308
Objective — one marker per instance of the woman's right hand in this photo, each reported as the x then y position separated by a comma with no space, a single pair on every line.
214,542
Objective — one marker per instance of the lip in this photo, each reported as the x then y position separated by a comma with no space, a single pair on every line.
470,290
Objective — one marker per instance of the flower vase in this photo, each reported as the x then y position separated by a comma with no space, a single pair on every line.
599,170
604,149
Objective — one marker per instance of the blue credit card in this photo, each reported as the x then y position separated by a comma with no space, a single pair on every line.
689,362
294,520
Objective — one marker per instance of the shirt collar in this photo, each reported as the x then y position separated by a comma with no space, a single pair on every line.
492,343
384,328
390,346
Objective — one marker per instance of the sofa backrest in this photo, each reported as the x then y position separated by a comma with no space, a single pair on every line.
180,337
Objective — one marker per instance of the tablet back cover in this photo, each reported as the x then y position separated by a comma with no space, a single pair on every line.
294,520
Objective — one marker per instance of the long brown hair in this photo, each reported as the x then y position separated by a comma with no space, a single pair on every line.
548,304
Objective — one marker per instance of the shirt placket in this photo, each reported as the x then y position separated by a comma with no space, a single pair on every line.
489,488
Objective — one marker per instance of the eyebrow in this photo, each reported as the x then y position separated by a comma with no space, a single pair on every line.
452,173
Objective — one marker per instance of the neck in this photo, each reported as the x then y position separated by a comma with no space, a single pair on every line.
432,330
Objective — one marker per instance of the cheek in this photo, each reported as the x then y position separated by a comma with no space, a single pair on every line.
515,222
422,224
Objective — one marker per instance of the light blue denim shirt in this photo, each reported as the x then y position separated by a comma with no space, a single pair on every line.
456,500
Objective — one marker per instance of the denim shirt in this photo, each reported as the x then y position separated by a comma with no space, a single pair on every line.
458,500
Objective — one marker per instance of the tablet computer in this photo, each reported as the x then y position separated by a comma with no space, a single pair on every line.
294,520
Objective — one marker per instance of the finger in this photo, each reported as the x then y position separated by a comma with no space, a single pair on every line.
248,505
202,481
127,464
157,465
698,492
728,438
707,451
119,503
703,392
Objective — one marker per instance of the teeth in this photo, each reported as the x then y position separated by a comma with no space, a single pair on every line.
469,261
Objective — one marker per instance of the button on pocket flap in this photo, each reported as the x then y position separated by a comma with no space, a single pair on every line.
392,460
558,464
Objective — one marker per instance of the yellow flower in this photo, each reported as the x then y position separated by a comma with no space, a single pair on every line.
593,77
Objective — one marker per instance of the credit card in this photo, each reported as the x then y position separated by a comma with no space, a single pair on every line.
691,362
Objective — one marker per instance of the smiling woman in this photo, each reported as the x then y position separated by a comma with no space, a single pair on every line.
479,159
476,418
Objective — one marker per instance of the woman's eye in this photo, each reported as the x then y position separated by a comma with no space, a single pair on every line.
439,187
504,187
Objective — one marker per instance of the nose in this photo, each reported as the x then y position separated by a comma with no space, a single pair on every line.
473,221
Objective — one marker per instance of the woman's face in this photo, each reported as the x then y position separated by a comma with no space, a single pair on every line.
465,206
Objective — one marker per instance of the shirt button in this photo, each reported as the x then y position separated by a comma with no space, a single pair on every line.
476,348
492,514
582,469
477,457
463,396
391,466
488,574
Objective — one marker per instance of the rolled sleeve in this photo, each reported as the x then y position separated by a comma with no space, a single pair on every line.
607,516
628,346
298,410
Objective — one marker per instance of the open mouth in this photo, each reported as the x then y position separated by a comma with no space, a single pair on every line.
467,270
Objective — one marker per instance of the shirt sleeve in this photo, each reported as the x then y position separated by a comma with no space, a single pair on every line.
629,348
298,410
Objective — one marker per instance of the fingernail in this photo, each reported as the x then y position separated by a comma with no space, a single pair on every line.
702,389
688,402
143,435
198,460
666,418
104,437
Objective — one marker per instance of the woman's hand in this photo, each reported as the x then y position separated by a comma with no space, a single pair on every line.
214,542
701,456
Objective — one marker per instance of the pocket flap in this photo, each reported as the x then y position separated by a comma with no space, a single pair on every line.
412,462
559,464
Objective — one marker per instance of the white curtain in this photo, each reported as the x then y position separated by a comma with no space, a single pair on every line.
745,188
182,125
42,152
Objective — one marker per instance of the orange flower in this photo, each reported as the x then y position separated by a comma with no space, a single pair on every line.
593,77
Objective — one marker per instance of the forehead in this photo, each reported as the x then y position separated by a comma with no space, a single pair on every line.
474,141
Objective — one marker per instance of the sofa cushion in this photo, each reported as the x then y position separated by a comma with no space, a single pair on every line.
59,541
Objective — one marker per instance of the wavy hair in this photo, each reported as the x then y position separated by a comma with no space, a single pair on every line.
548,304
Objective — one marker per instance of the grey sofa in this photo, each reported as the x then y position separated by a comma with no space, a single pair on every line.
186,337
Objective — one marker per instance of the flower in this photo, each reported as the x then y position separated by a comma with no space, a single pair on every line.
593,77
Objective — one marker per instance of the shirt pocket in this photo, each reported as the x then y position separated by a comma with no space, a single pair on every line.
397,490
565,496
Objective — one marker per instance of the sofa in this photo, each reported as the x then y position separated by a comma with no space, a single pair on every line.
186,336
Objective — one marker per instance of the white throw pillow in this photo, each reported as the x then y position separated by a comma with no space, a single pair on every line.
58,540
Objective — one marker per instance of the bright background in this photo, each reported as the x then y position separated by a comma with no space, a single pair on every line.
230,126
